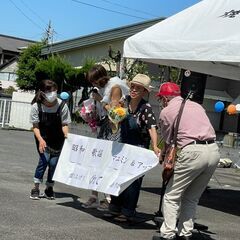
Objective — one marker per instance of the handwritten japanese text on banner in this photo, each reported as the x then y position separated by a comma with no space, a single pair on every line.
102,165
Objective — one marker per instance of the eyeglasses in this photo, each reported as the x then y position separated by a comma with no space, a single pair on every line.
136,88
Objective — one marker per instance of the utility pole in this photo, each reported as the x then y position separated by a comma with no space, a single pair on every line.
116,58
48,39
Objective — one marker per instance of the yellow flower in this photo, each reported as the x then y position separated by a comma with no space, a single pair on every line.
120,111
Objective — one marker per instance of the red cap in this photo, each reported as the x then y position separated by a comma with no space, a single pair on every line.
169,89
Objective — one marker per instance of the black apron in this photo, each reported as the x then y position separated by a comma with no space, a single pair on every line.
50,127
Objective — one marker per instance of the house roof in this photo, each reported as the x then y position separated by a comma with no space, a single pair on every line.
100,37
12,44
6,64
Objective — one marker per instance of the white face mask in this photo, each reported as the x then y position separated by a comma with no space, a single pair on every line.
51,96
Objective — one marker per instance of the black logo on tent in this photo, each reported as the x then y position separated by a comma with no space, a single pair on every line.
231,14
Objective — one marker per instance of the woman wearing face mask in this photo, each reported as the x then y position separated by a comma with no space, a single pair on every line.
50,118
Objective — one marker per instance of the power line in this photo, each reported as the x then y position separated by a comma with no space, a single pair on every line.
109,10
135,10
26,15
43,21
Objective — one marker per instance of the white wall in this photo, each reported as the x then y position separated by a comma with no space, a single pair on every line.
7,84
78,57
11,67
20,110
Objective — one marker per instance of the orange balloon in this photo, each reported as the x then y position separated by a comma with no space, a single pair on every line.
231,109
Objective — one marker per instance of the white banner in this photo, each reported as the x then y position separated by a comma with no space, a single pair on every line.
102,165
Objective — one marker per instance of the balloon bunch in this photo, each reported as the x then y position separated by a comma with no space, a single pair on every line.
231,109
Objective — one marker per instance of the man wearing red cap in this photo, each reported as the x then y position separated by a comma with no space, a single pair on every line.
198,157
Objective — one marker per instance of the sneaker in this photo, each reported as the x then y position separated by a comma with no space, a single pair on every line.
49,194
92,202
35,194
103,207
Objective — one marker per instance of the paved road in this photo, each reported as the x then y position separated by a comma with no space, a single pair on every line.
64,219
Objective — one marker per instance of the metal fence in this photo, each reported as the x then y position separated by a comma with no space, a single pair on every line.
5,108
14,114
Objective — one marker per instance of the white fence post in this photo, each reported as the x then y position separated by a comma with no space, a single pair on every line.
4,110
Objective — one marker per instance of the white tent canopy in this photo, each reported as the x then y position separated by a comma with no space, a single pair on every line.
203,38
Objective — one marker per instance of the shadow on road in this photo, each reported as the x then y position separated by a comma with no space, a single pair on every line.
142,220
224,200
67,195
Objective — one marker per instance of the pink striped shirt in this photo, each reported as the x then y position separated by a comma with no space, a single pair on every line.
194,123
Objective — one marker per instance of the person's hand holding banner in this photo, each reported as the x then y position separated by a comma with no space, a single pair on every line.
102,165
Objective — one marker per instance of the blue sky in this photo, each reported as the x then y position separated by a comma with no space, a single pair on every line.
75,18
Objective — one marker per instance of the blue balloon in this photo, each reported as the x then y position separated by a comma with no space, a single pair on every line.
64,95
219,106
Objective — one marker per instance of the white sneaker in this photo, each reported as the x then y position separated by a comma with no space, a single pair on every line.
92,202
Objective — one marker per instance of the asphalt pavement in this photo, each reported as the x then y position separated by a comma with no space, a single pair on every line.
64,219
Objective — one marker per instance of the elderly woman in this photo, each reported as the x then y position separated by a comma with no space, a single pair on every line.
138,129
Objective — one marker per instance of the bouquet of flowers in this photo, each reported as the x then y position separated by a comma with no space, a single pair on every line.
116,115
89,114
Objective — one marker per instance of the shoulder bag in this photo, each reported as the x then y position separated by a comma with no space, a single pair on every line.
171,152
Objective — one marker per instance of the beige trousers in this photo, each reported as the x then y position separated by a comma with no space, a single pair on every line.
195,165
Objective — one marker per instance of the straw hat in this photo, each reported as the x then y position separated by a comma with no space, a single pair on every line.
142,80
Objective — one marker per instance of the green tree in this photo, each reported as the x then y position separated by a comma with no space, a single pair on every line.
28,60
32,68
54,68
132,68
68,78
59,70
